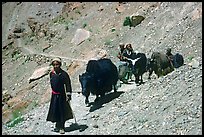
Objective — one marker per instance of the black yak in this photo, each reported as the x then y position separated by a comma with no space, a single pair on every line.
100,77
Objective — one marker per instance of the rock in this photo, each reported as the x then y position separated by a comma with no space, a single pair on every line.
194,63
101,54
119,9
80,36
39,73
136,20
95,126
18,29
8,43
41,34
46,46
100,8
121,114
6,96
196,14
32,23
133,20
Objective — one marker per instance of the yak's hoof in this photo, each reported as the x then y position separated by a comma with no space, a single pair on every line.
96,100
87,104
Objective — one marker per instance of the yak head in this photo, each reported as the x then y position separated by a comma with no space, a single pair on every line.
86,81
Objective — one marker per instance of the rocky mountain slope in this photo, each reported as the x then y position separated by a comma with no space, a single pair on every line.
35,32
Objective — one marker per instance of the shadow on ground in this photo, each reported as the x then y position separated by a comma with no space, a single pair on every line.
103,100
76,126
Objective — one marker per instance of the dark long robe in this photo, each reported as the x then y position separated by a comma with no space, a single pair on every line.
59,109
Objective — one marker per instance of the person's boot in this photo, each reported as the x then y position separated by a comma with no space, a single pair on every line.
61,131
56,129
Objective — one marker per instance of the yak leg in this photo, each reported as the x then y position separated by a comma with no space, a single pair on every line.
115,88
87,101
97,98
136,79
158,72
141,80
150,73
103,94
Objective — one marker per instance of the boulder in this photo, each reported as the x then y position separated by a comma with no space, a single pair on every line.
194,63
133,20
80,36
39,73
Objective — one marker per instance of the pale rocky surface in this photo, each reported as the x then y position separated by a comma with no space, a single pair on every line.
169,105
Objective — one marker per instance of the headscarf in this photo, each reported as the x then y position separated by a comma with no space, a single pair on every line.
57,59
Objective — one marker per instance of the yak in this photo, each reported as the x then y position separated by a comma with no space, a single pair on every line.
100,77
160,64
138,63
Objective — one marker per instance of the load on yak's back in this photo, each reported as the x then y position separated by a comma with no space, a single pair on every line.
177,59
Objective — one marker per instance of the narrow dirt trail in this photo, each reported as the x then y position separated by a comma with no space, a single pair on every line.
29,51
170,105
35,121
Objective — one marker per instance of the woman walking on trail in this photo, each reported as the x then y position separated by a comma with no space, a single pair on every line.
59,109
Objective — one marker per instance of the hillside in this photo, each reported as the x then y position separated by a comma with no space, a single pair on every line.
36,32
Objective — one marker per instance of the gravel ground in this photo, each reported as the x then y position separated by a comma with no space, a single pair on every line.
169,105
159,106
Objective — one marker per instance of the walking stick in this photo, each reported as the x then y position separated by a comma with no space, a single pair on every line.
72,112
70,105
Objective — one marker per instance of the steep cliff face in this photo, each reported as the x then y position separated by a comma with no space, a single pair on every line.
35,32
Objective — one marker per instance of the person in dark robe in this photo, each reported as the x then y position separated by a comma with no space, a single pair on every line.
59,109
